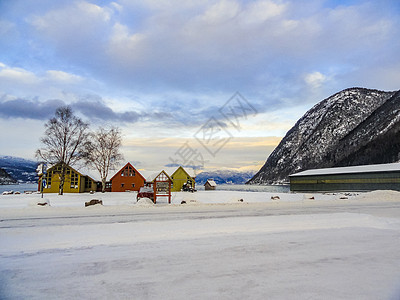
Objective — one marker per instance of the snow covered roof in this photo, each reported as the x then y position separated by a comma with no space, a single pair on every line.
152,177
211,182
350,170
127,164
82,170
189,173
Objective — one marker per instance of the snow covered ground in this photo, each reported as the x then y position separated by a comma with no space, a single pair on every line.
215,246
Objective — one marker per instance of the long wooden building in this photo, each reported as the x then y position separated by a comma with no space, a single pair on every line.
356,178
74,182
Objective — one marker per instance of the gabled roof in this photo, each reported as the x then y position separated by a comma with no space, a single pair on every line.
128,164
350,170
211,182
181,168
154,176
68,166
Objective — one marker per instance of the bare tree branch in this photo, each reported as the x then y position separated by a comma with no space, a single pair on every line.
64,141
103,151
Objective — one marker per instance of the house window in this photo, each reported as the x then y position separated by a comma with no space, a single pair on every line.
74,180
133,185
122,184
128,171
48,180
88,183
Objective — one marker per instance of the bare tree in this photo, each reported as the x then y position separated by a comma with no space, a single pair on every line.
64,141
103,151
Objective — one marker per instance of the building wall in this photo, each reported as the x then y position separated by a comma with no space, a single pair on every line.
208,187
71,181
74,182
87,184
179,178
127,181
346,182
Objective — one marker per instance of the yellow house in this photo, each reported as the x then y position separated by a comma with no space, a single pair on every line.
179,178
74,181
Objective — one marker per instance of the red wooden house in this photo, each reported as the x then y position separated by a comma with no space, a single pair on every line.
127,179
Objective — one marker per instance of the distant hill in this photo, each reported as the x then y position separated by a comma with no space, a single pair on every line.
5,178
22,170
224,177
356,126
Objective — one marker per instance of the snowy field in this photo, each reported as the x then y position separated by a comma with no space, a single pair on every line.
219,245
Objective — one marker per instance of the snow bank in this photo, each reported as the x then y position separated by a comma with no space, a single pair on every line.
294,247
145,202
379,195
123,199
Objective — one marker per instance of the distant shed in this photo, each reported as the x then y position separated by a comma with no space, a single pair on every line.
356,178
210,185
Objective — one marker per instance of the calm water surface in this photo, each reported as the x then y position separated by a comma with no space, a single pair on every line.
18,187
250,188
222,187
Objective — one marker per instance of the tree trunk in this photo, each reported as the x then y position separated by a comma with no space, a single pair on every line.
62,179
103,184
61,187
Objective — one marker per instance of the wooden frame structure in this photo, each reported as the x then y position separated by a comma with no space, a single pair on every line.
162,186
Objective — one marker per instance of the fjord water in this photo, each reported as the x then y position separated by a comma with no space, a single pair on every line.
223,187
18,187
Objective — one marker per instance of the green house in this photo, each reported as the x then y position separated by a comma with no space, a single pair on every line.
356,178
180,177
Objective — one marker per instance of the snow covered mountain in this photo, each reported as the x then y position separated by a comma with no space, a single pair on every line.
224,176
21,169
353,127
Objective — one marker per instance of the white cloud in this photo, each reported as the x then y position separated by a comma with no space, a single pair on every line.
315,79
260,11
221,12
16,75
126,49
118,7
211,45
48,84
77,31
62,77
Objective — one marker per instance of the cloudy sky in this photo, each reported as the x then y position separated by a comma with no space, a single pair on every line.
208,83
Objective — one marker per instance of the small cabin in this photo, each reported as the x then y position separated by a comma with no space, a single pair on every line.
74,181
181,180
210,185
127,179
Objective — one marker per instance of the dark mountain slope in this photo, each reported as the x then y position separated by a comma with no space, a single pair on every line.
376,140
5,178
349,128
23,170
